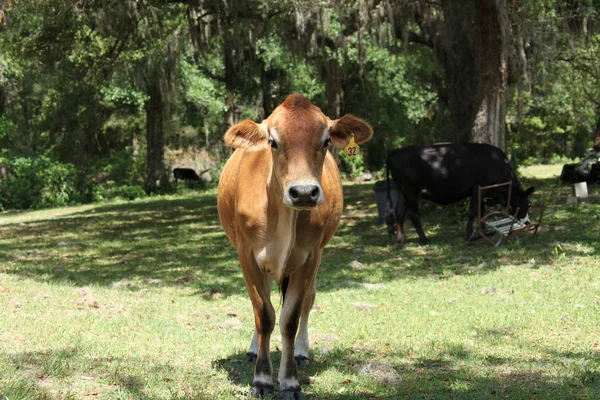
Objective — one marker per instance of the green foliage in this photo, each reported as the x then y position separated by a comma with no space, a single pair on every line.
529,161
132,192
94,192
559,159
206,105
124,96
7,128
353,166
75,80
122,168
34,182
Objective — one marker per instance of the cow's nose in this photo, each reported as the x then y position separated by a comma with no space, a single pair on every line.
304,195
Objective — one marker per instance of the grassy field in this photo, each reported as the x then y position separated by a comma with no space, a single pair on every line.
145,300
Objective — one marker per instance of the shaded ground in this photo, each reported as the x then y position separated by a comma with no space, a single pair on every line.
179,241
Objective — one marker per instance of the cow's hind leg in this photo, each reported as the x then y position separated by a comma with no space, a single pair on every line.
253,350
294,304
258,285
301,348
412,205
400,218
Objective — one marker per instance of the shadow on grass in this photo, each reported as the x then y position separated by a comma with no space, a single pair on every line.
159,241
565,232
180,242
456,373
71,373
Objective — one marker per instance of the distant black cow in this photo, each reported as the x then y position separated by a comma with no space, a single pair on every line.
186,174
446,173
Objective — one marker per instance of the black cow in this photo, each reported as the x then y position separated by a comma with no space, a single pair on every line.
446,173
186,174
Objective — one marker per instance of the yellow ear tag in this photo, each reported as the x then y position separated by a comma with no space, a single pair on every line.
352,149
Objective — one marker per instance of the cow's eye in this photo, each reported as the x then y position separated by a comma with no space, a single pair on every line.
273,144
326,143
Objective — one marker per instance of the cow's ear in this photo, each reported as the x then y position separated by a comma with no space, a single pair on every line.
529,191
246,134
341,129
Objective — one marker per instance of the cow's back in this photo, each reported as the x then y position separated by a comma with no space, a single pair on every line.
449,172
489,164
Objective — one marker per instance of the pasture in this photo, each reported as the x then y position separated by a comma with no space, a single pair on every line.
145,300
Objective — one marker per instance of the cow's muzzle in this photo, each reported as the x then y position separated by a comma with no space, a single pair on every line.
304,196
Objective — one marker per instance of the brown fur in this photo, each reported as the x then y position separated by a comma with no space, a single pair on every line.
245,134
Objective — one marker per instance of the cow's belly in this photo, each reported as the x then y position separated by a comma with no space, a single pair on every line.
443,197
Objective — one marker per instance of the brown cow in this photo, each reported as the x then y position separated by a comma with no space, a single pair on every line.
280,202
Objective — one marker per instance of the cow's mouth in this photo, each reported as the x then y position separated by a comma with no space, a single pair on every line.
307,208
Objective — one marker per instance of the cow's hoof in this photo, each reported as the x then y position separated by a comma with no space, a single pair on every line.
302,361
250,358
261,390
292,395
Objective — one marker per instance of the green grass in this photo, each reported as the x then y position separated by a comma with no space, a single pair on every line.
145,300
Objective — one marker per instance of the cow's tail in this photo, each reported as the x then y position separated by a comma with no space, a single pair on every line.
283,288
387,176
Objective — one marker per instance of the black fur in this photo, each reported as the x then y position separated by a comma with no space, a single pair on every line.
283,287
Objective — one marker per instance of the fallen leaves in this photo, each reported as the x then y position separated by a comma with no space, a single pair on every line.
363,306
87,299
232,323
382,371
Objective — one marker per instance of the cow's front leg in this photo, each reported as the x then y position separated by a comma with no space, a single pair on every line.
473,212
301,282
258,285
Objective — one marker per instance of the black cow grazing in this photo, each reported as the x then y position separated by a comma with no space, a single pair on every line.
446,173
186,174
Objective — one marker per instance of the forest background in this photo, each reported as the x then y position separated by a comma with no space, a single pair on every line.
103,98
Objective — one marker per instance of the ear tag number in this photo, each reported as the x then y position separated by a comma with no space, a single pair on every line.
352,149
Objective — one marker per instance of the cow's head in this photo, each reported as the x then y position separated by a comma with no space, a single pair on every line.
299,136
520,200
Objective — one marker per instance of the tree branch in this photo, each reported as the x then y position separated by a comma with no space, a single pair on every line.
424,39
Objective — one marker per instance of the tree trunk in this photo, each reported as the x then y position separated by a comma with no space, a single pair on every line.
156,177
491,21
229,80
333,88
266,82
454,50
597,133
29,132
